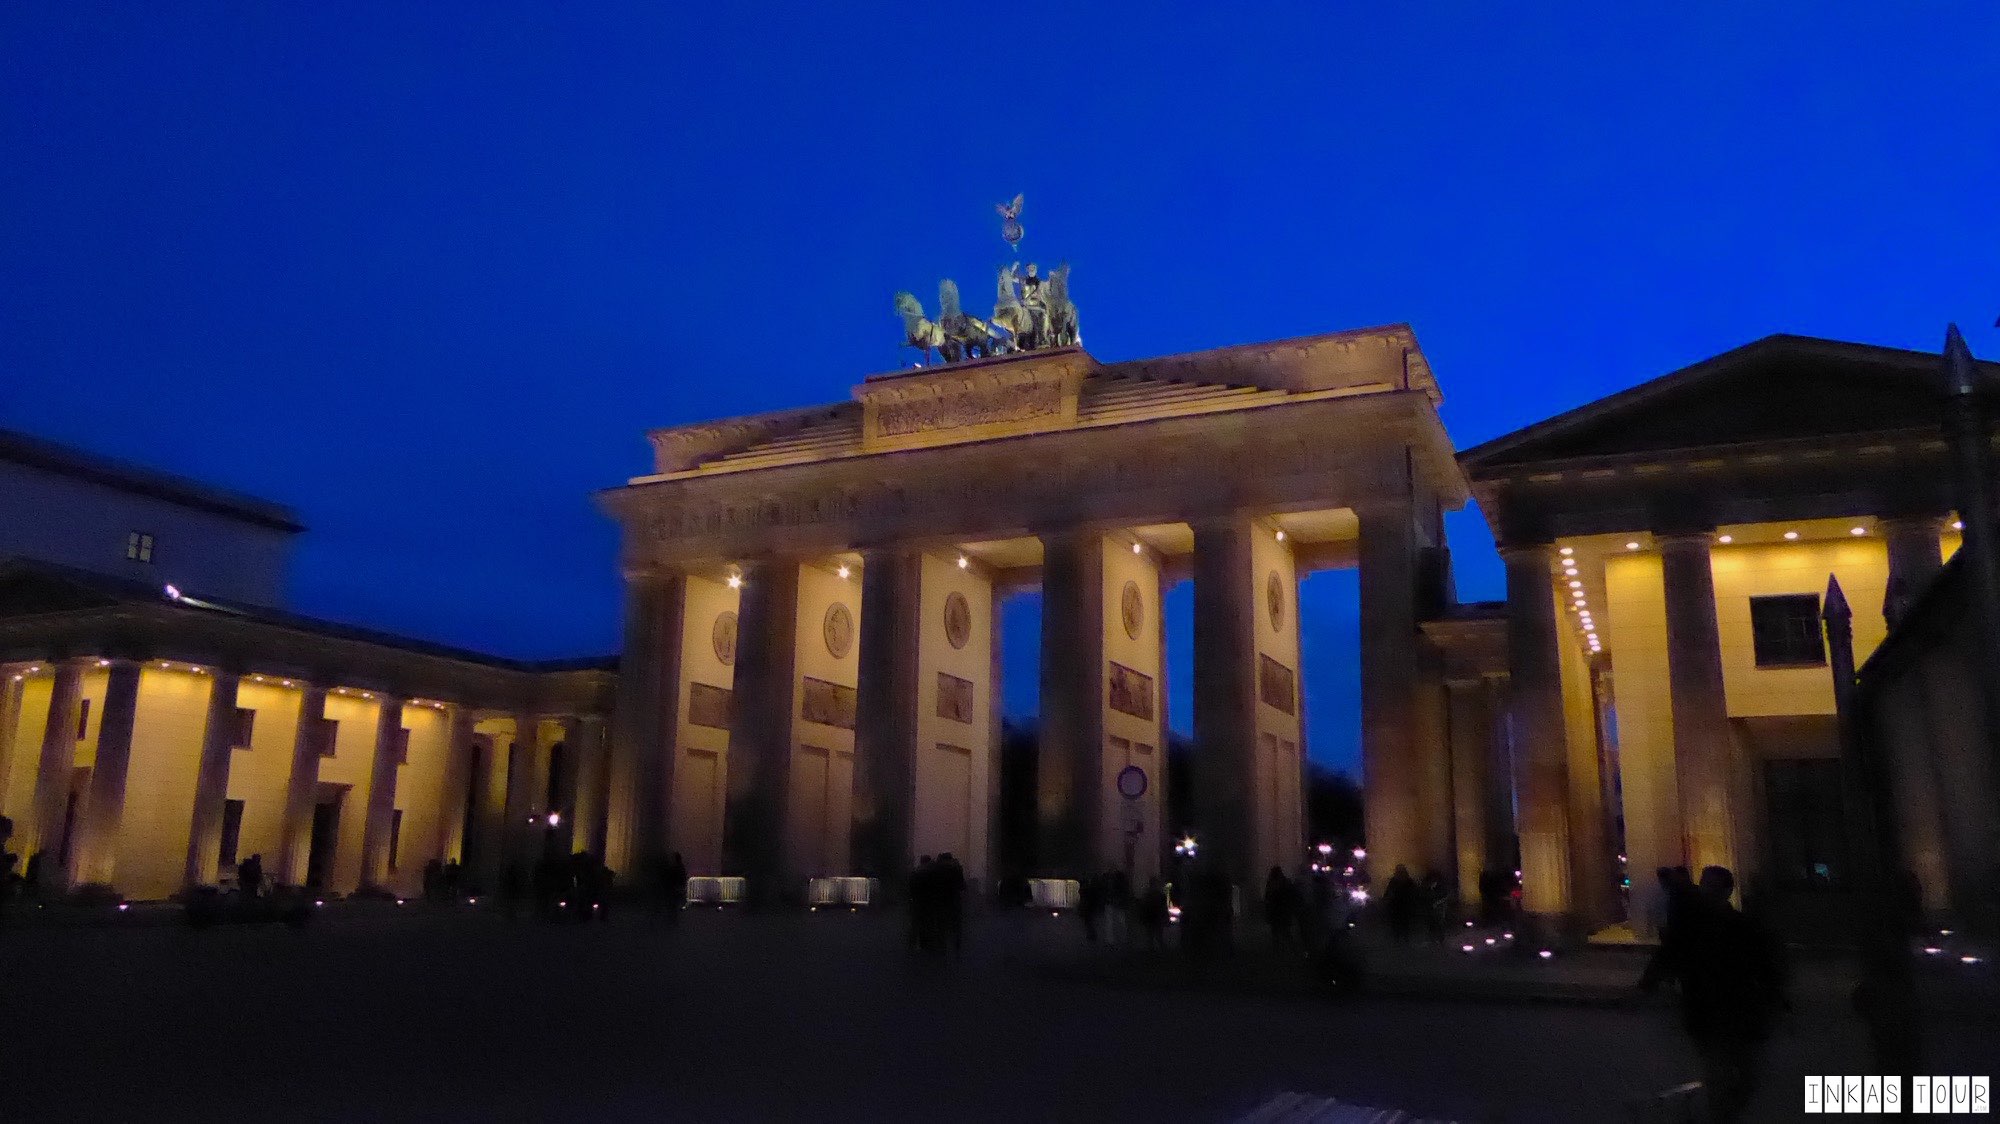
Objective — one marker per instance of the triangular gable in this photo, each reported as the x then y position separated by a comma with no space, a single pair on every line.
1776,389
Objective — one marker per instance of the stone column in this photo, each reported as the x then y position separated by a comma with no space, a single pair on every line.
211,780
1069,789
1499,775
885,730
755,819
592,765
456,784
1916,554
1471,741
53,773
1225,698
301,789
641,773
13,687
521,839
1436,798
382,776
1390,762
94,855
1704,750
1541,747
995,734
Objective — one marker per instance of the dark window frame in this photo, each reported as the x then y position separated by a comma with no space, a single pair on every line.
1785,631
139,547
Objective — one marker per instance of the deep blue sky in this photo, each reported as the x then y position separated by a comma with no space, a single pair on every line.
429,271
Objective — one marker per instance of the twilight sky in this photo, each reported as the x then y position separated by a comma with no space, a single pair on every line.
428,272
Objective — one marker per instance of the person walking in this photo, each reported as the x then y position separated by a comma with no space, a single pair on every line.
673,886
949,890
1399,901
1732,982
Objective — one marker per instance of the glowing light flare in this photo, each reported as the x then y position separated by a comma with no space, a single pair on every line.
735,581
1546,954
1631,546
964,562
1725,539
842,571
1791,536
1857,530
1568,550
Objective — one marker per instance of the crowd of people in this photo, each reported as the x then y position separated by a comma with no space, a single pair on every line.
559,887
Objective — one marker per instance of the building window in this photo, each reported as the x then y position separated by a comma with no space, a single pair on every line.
232,830
395,836
1786,632
139,547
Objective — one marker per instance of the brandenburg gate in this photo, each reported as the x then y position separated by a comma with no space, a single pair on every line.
812,672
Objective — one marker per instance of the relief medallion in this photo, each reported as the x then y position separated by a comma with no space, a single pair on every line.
838,628
723,637
957,619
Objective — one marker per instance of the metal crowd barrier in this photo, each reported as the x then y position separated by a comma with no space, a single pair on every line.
847,891
711,890
1054,893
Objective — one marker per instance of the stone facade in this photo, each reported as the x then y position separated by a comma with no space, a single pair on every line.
934,490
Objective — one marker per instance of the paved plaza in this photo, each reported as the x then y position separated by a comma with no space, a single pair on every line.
379,1013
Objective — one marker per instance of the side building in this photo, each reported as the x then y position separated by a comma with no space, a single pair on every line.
161,718
1667,549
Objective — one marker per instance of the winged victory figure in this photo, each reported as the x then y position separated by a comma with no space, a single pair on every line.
1010,222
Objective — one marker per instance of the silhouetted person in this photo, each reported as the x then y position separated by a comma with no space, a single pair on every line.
7,861
1281,907
1117,905
1732,982
949,888
1151,910
673,886
1399,901
250,876
1437,904
1090,904
921,891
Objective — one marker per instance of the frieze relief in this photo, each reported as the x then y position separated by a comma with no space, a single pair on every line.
1049,485
967,405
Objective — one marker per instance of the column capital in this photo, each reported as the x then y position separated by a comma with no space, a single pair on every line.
1685,539
1927,524
1512,552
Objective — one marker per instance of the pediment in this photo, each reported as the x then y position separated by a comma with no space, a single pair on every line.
1781,388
